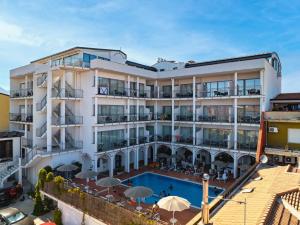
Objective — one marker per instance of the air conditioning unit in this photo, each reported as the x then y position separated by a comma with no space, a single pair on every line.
273,130
290,160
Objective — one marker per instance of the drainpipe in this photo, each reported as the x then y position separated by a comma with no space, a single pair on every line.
205,206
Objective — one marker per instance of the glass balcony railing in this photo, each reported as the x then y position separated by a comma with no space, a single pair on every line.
213,143
249,146
184,117
67,120
186,139
164,116
164,138
213,118
74,145
115,144
249,119
66,93
114,118
184,94
215,93
125,92
21,93
249,90
165,94
27,142
146,117
21,117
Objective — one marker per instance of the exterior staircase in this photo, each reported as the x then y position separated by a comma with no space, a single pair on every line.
41,132
8,170
42,80
41,106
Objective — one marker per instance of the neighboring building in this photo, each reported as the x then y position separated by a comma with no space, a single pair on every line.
4,111
283,129
122,114
10,151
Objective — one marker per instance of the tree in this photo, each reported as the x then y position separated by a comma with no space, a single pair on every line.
57,217
49,177
38,205
42,177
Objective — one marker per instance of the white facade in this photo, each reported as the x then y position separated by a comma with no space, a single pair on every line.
120,113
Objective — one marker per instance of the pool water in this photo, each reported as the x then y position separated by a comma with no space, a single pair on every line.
159,183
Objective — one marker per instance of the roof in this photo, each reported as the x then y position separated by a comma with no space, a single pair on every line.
78,48
235,59
3,91
11,134
287,96
142,66
274,180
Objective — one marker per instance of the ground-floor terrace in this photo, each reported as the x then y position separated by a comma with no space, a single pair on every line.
218,162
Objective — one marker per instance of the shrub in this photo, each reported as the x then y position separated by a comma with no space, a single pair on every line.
42,177
48,169
50,177
38,205
48,204
58,182
57,217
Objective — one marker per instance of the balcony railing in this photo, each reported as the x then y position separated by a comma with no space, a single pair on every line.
213,119
215,93
21,117
73,145
41,79
249,90
164,138
125,92
213,143
21,93
249,119
184,94
184,117
66,93
118,118
249,146
67,120
27,142
116,144
165,94
164,116
146,117
75,63
187,139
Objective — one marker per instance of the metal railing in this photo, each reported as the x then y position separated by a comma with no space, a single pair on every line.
213,143
165,94
41,79
164,138
67,93
42,130
164,116
183,94
249,146
73,145
76,63
125,92
184,139
26,142
249,119
114,118
21,117
21,93
67,120
116,144
42,104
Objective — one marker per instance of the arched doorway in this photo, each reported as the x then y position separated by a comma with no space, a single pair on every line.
119,162
102,164
224,162
244,163
164,155
131,159
150,154
203,159
184,154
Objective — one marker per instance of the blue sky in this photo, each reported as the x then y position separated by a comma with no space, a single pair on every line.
146,30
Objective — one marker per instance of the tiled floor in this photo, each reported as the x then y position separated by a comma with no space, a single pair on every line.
183,217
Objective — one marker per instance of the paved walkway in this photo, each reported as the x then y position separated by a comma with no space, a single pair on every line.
275,180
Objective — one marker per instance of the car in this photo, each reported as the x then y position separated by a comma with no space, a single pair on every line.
14,216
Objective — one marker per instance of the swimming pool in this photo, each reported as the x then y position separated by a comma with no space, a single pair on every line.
158,183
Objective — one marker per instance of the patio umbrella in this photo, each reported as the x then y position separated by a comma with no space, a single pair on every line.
48,223
67,168
86,175
173,204
108,182
138,192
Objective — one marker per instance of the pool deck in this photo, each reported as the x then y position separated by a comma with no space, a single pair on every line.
118,192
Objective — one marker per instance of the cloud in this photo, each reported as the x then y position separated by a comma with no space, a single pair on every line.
13,33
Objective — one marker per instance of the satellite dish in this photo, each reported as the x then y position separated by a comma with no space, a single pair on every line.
263,159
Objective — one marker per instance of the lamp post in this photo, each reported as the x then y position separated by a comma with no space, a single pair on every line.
205,206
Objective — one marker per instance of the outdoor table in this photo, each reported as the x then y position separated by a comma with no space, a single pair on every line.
173,220
139,208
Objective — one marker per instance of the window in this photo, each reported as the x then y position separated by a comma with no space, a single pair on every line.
294,136
218,88
6,152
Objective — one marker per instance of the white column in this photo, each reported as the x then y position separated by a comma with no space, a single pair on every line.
194,110
235,84
235,127
96,138
155,152
136,159
212,159
49,111
20,171
111,164
173,109
95,164
127,161
194,155
96,82
96,110
235,164
146,156
262,92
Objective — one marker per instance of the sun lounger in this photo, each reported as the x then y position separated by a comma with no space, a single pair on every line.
247,190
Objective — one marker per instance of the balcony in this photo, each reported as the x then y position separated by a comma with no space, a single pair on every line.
184,94
249,146
21,117
249,90
249,119
118,118
107,146
21,93
215,93
165,94
164,116
214,119
187,139
66,93
283,150
73,145
146,117
67,120
214,143
184,117
125,92
75,63
164,138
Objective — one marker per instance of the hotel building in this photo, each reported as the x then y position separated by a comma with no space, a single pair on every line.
94,106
